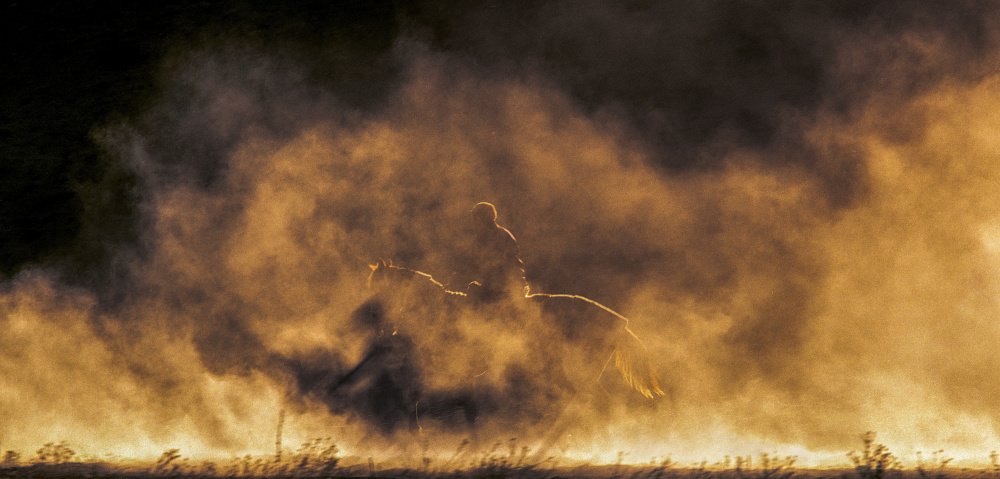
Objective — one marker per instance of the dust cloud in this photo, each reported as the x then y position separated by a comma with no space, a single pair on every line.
833,271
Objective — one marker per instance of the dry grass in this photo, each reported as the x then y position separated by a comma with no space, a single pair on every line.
319,459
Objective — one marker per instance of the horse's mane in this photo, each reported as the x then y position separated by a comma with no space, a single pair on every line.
386,266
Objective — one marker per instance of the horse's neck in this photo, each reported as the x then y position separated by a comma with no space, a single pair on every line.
421,277
405,273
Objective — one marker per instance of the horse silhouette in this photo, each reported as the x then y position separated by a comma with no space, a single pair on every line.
587,327
439,358
386,389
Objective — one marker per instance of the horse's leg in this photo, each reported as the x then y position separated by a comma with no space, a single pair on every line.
471,414
557,430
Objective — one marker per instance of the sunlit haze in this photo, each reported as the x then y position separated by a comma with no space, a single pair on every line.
823,264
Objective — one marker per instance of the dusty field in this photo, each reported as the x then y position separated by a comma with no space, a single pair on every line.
486,470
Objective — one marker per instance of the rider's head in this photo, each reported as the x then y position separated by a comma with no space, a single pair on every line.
484,214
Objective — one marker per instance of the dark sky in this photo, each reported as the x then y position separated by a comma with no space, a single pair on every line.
72,67
684,76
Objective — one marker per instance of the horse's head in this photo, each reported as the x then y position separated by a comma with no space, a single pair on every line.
370,316
384,271
379,272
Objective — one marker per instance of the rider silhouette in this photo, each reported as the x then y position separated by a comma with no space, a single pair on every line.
496,265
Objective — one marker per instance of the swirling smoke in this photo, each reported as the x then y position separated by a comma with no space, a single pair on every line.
796,208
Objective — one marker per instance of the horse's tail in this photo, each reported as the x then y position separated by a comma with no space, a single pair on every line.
632,360
630,355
